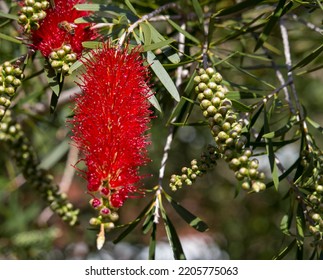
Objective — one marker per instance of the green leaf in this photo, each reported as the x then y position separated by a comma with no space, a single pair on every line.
167,50
238,7
198,10
131,8
271,153
242,95
147,33
240,106
132,225
172,236
279,11
154,101
284,225
309,58
315,124
285,251
162,74
10,39
158,45
188,217
282,131
55,82
9,16
92,44
55,155
152,243
300,223
184,32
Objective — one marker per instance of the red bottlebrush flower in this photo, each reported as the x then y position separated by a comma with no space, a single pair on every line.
58,29
111,118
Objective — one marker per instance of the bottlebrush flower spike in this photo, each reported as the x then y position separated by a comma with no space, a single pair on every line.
110,124
58,29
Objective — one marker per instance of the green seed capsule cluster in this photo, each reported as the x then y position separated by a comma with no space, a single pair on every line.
10,79
197,169
62,59
313,185
12,133
226,128
31,13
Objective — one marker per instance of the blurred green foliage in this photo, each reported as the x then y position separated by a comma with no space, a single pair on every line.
246,226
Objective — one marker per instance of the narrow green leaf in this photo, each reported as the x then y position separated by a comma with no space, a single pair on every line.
242,95
132,225
309,58
147,33
188,217
55,82
9,38
310,70
238,7
154,101
173,237
240,106
271,23
315,124
162,74
285,251
55,155
148,223
167,50
131,8
184,32
300,223
284,225
271,153
158,45
282,131
198,10
152,243
92,44
9,16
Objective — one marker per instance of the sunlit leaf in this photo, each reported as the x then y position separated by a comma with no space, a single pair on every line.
279,11
158,45
238,7
132,225
192,220
10,39
9,16
285,251
309,58
184,32
152,242
162,74
198,10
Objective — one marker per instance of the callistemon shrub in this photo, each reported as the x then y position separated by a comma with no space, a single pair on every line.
110,124
56,35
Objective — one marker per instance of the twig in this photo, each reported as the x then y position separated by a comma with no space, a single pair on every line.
144,18
307,24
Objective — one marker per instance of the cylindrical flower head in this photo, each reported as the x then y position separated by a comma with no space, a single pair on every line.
58,29
110,122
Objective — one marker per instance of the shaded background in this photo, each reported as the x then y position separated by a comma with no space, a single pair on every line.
241,226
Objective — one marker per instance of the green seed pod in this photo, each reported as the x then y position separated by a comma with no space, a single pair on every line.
216,101
22,19
208,93
211,110
197,79
218,119
2,89
227,103
223,111
61,53
57,64
194,162
217,77
9,79
10,90
210,71
202,87
212,86
67,48
230,142
220,94
316,217
29,11
16,82
239,176
245,186
65,68
243,159
226,126
319,188
205,78
200,97
223,136
8,69
254,163
253,173
201,71
37,6
109,226
195,167
34,18
205,104
44,5
29,2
